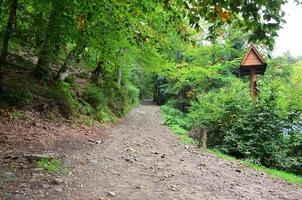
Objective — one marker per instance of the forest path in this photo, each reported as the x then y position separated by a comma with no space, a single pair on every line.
142,159
139,158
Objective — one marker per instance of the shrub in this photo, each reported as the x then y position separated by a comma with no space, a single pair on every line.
123,99
178,123
177,119
132,94
95,97
244,128
62,96
16,97
71,80
295,152
105,116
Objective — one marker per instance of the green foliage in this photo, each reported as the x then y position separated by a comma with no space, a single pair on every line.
175,119
244,128
89,121
18,93
105,116
106,105
2,103
61,96
202,90
71,80
123,99
261,25
95,97
135,38
50,165
18,98
178,123
15,115
150,47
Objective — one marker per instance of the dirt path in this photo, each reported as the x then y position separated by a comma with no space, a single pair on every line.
143,160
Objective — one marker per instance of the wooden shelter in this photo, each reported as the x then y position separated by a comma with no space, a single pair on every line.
253,64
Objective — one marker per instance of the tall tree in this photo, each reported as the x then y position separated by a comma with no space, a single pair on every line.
8,31
51,43
6,37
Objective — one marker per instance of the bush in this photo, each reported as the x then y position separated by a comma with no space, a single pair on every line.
105,116
295,152
176,119
254,130
107,102
62,97
16,97
123,99
210,95
177,122
95,97
132,94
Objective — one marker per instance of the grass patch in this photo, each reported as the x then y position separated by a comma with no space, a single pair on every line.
219,154
50,165
15,115
271,172
284,175
182,134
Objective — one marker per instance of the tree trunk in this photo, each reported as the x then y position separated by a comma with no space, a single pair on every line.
203,138
1,86
6,37
97,71
119,74
50,45
8,31
63,71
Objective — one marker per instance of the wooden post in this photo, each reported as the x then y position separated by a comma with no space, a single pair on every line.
253,64
203,138
253,83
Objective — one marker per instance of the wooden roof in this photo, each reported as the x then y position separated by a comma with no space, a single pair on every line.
252,58
252,61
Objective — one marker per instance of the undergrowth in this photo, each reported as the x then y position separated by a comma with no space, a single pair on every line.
172,117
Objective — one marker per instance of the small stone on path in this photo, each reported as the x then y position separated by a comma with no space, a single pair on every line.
110,193
58,181
92,161
58,189
37,169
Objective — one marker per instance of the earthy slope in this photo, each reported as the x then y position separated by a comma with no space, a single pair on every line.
142,159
